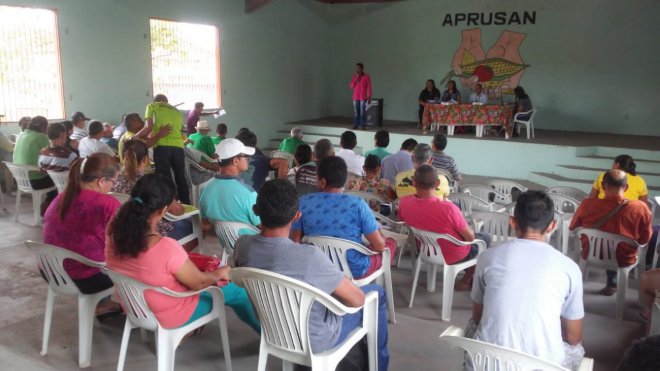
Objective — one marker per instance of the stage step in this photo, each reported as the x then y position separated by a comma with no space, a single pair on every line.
311,138
589,173
583,184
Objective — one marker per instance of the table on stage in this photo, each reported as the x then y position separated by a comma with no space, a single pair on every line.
452,115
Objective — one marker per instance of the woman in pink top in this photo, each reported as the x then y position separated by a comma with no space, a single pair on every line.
77,218
136,249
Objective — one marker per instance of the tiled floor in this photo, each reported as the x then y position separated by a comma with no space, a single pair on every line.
413,340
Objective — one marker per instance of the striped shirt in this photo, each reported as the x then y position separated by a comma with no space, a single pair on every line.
56,158
78,133
447,163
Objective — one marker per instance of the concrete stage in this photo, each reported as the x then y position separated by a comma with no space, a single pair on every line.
553,157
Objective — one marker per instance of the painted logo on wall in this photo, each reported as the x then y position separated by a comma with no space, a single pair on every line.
499,70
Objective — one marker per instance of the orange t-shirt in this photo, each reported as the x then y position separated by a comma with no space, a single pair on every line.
632,221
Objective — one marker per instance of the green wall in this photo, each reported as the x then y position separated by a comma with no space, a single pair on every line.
273,61
593,62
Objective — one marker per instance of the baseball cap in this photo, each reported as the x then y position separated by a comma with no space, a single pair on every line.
77,116
231,147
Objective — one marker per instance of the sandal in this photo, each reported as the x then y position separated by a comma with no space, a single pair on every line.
607,291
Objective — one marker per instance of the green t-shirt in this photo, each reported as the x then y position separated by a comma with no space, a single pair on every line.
381,152
165,114
290,144
217,139
202,143
26,151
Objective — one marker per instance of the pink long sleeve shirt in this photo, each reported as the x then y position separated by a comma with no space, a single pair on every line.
361,86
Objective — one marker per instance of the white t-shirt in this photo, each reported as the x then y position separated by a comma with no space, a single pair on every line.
88,145
354,162
525,287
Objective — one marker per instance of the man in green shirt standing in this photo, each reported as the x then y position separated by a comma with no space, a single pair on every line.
290,144
201,140
382,140
168,151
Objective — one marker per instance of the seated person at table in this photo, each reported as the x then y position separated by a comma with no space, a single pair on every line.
260,164
441,160
291,143
272,250
136,161
478,96
221,131
201,140
637,189
371,182
451,93
302,156
527,295
77,218
422,155
306,176
381,141
425,211
57,156
136,249
430,92
333,214
523,103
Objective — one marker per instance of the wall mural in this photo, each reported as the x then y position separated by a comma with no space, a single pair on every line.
499,70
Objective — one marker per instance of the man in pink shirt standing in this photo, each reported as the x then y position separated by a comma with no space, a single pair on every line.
361,85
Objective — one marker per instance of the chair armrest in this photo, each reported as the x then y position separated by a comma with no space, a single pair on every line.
336,307
481,244
515,117
453,331
186,215
185,294
587,364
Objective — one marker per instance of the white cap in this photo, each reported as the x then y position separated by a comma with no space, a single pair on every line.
231,147
203,125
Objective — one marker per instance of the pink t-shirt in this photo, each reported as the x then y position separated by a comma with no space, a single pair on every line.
156,267
82,230
438,216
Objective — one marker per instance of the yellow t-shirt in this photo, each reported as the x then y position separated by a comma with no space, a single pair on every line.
404,186
165,114
636,187
120,146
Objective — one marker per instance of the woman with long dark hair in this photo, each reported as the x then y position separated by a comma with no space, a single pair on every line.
430,92
136,249
77,218
451,93
637,189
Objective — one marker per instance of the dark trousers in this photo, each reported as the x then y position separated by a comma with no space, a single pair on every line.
171,160
42,183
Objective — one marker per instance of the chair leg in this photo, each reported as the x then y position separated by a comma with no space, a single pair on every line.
387,275
263,356
288,366
36,207
370,322
224,336
124,345
18,204
449,276
86,308
622,285
197,231
47,317
418,265
166,349
431,276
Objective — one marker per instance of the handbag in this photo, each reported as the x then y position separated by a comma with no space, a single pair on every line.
205,263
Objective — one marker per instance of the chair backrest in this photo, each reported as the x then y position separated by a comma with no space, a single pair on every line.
121,197
494,224
532,113
21,174
506,187
491,357
468,203
229,232
285,155
51,262
60,178
654,329
335,249
567,191
486,193
132,297
453,188
430,249
565,204
201,155
653,206
509,208
603,245
284,326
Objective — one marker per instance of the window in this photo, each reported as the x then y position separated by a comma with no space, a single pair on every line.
185,62
30,75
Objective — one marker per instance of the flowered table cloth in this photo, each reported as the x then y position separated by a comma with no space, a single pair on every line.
468,114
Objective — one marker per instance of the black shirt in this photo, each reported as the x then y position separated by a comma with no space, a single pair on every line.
426,95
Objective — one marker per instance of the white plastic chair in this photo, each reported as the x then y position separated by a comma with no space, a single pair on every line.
336,248
567,191
50,260
654,329
60,178
491,357
368,197
565,207
285,155
195,189
139,315
602,254
495,224
506,187
453,183
22,177
528,124
196,226
228,233
285,326
485,193
468,203
430,253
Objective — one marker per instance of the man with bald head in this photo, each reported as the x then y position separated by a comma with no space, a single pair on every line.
615,214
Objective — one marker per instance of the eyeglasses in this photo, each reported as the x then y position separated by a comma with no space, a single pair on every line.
110,180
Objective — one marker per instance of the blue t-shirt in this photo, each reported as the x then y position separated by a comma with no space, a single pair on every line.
227,198
341,216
